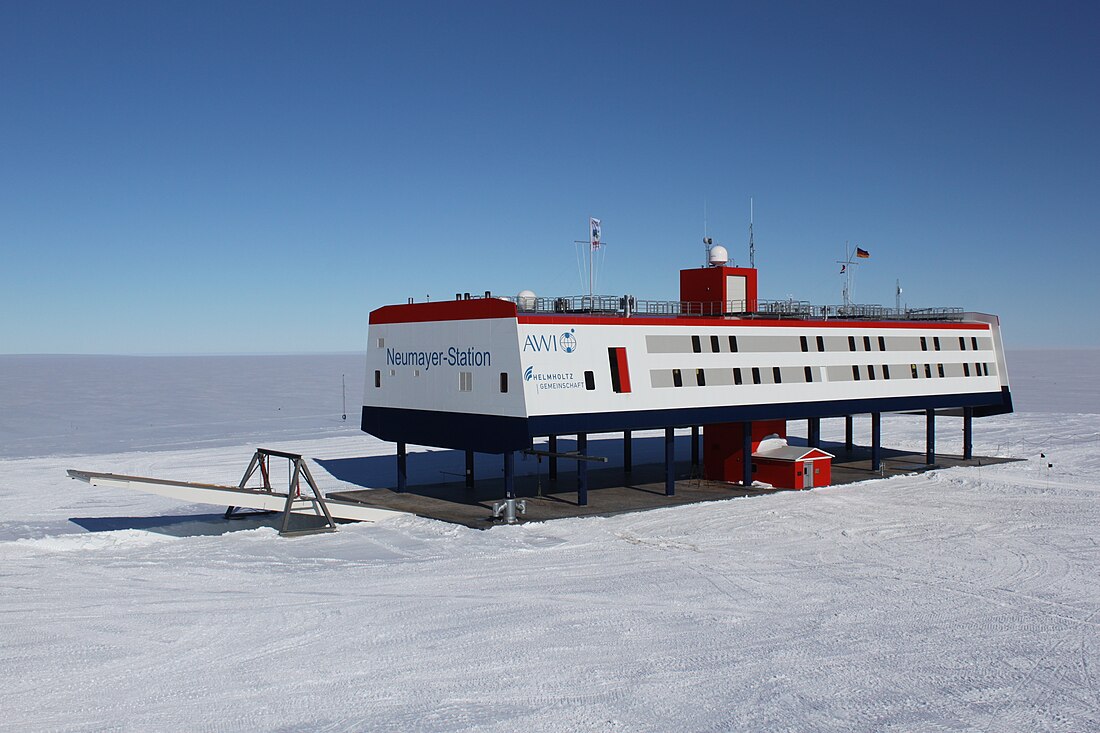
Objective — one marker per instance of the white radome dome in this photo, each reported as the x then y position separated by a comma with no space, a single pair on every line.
718,255
526,300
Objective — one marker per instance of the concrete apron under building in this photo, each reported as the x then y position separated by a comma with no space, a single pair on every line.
612,491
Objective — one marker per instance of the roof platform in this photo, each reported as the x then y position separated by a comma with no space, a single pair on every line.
611,491
629,306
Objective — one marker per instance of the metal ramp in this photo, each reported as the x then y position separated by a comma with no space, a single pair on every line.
265,498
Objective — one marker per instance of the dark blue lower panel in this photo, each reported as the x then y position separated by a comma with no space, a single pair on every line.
990,403
461,431
493,434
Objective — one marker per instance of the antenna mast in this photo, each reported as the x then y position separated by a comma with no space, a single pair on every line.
846,270
752,245
706,240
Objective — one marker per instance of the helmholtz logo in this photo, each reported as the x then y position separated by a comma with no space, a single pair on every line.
566,342
552,380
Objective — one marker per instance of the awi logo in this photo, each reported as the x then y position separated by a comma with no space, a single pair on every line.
568,341
528,374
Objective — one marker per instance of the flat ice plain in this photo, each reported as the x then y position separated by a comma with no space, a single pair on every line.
961,600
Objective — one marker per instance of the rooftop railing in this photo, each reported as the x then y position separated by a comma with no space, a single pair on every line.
628,306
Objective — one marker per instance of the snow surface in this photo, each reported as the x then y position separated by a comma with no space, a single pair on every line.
963,599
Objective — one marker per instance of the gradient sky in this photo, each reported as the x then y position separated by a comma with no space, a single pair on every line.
187,177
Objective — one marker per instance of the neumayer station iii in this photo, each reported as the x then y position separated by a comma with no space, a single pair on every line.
492,375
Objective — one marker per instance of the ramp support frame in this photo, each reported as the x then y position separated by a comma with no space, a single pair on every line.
299,471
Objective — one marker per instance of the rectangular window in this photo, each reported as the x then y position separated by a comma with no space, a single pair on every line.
985,369
809,374
928,371
882,343
777,377
589,381
756,375
377,378
977,369
820,343
504,382
913,367
966,369
733,344
866,343
923,343
962,343
701,377
851,343
939,369
696,345
936,342
677,378
465,381
885,371
974,342
714,344
804,342
737,375
381,343
871,371
855,372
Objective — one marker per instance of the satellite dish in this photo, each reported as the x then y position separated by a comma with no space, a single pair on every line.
717,255
526,300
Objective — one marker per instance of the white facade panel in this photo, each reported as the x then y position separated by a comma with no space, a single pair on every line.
425,366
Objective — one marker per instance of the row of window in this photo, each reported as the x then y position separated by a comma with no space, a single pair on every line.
732,344
760,375
466,380
804,375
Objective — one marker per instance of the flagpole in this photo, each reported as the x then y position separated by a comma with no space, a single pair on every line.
594,241
847,276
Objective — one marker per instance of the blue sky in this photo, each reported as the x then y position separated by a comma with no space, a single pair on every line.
203,178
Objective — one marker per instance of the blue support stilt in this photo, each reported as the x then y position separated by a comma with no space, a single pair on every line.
813,432
849,440
553,448
876,441
628,458
670,462
694,446
746,453
402,468
582,470
930,436
510,475
968,433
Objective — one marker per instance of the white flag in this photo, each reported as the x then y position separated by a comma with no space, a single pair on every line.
594,225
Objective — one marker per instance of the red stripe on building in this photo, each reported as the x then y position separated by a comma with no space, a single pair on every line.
624,370
446,310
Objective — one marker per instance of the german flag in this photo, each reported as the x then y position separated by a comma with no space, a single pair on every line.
862,253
